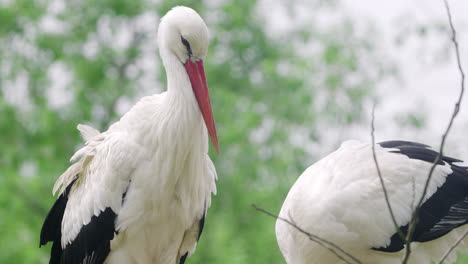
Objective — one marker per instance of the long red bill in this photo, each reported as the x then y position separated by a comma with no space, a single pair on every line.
196,74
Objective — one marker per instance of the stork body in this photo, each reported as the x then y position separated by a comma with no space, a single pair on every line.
139,192
340,199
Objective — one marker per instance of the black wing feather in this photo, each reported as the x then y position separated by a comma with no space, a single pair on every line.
93,241
91,245
446,209
183,258
399,143
201,224
51,229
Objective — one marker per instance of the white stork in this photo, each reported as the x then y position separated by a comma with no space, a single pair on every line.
340,199
139,192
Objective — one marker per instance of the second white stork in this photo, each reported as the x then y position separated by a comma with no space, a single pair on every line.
139,192
340,199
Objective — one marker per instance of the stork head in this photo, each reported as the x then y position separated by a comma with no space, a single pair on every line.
184,33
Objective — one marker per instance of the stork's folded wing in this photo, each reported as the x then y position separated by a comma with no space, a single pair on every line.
81,223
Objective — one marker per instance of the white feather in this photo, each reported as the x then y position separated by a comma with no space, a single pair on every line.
157,154
340,199
87,132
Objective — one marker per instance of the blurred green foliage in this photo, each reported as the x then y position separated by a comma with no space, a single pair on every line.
262,85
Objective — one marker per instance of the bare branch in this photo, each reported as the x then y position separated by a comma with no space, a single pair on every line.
408,240
412,226
332,247
382,183
456,110
453,247
457,105
413,189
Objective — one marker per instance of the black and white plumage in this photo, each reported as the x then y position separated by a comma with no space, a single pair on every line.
340,199
139,192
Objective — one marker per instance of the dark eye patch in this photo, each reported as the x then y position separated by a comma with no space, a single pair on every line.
187,45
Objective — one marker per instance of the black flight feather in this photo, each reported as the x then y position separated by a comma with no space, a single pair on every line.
51,229
446,209
90,246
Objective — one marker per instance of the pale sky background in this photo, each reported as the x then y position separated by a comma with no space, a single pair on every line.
430,80
429,84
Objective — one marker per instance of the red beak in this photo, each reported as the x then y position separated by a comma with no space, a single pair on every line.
196,74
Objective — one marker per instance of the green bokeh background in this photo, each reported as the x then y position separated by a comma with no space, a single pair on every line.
262,82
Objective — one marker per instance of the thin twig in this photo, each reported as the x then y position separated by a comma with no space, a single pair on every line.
315,238
332,247
382,183
413,194
409,238
456,110
453,247
457,106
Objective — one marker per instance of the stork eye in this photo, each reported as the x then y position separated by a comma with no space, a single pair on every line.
187,45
